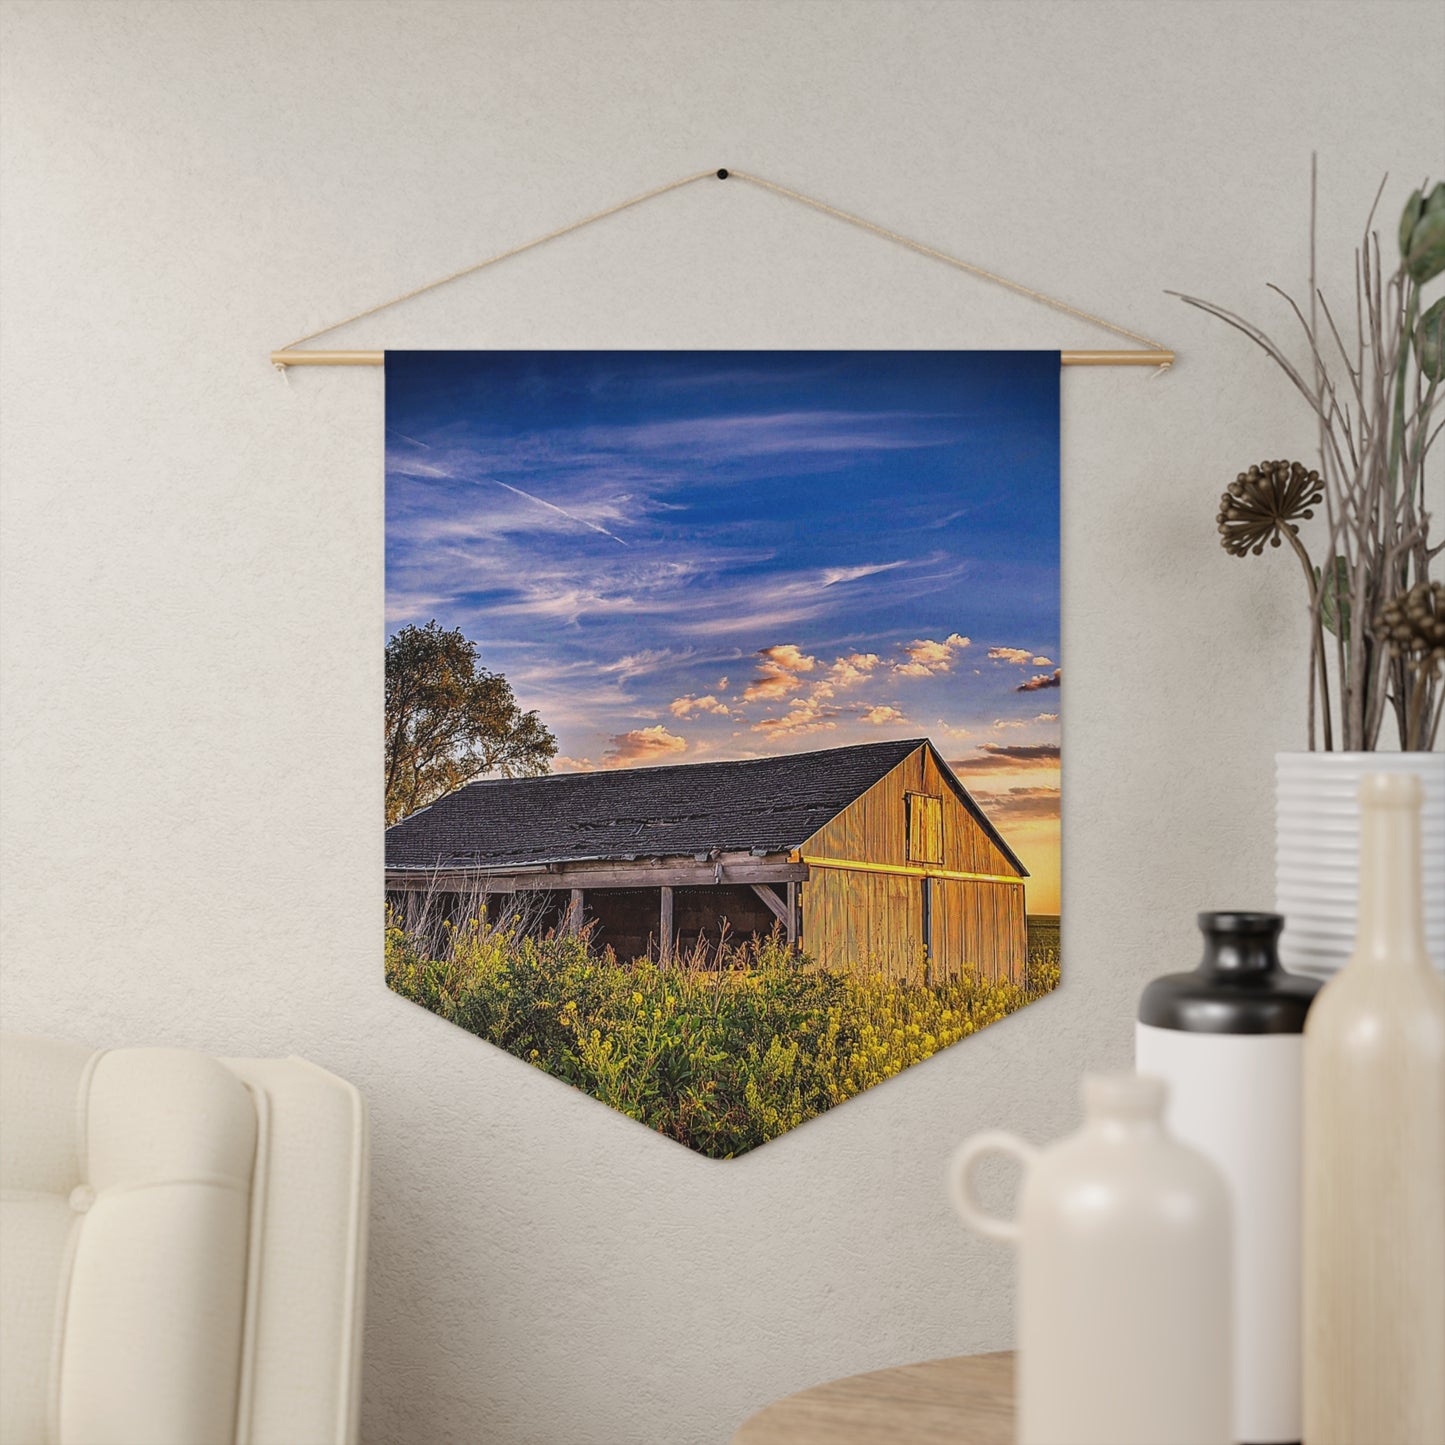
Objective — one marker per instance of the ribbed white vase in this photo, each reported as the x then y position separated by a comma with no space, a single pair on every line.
1317,852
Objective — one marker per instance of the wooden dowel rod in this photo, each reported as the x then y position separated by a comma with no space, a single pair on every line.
377,358
1117,358
327,358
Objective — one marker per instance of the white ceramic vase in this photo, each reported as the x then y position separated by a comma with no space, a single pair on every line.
1123,1238
1374,1159
1317,852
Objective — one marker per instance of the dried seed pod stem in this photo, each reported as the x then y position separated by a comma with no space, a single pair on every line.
1375,396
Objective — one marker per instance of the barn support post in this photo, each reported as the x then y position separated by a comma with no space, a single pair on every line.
794,922
574,912
413,909
664,926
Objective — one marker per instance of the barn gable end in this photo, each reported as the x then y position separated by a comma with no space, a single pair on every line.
873,826
878,900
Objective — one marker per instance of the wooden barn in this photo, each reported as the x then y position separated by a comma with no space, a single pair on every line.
871,858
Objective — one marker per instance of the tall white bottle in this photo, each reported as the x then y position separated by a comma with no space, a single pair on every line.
1123,1276
1374,1157
1228,1038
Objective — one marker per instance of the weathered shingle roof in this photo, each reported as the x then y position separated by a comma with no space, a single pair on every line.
772,804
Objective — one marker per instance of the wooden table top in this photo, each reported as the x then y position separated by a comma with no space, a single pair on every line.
967,1400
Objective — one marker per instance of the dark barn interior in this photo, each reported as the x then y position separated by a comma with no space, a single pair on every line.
626,919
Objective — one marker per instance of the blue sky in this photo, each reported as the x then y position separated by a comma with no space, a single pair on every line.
680,556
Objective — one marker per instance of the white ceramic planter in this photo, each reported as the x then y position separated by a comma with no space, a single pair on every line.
1317,825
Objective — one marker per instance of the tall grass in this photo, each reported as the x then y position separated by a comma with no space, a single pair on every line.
722,1050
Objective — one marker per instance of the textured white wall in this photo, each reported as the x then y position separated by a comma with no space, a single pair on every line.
193,576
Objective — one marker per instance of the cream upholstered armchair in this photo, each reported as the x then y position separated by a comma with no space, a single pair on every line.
182,1248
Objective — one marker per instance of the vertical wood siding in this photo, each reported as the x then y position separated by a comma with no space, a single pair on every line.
979,926
863,922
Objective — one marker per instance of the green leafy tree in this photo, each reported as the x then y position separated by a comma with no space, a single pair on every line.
449,720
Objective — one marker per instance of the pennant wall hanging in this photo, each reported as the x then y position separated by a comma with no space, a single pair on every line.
722,715
722,755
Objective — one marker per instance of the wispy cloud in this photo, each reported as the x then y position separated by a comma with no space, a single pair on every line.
739,604
646,663
832,576
755,434
430,469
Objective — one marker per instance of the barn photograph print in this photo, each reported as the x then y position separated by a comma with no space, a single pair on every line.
722,715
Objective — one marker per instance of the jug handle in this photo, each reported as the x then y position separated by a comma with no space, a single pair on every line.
960,1180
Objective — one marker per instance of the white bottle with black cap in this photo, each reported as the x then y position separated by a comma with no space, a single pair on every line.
1228,1038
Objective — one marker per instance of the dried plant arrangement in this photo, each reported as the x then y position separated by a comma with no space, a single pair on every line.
1374,389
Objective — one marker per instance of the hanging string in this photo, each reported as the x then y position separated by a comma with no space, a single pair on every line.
981,272
504,255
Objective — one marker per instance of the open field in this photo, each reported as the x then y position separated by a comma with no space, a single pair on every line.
721,1052
1043,934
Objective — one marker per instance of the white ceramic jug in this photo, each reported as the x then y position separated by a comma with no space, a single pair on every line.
1123,1238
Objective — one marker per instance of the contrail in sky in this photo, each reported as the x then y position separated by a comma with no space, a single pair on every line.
552,506
507,486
